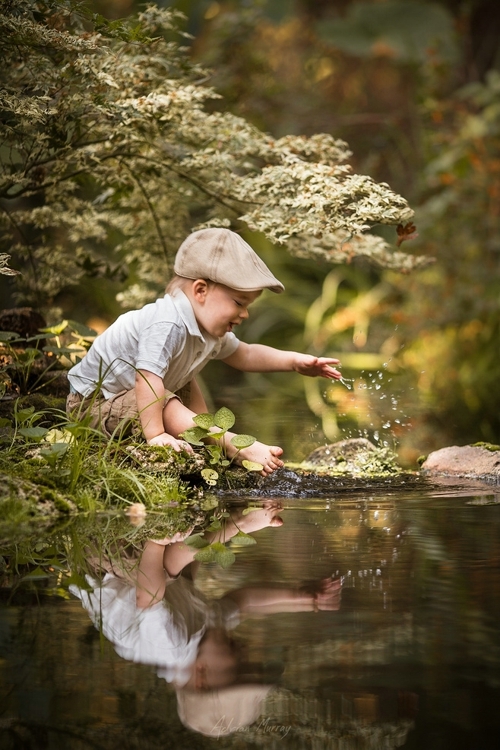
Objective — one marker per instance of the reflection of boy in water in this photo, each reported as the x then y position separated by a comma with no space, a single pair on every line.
153,615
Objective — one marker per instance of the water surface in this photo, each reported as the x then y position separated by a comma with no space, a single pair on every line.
410,658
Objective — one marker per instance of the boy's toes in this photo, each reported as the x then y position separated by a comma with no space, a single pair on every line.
275,460
270,466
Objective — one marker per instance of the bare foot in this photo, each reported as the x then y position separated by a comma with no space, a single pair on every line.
259,518
267,455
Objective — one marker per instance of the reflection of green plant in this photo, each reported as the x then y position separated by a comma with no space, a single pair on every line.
217,552
214,427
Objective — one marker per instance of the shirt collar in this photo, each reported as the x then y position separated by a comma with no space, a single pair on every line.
185,310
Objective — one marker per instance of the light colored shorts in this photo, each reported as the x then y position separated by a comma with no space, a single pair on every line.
118,415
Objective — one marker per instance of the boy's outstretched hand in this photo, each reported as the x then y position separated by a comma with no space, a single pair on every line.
307,364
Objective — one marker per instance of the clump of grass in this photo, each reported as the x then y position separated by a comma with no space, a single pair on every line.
73,465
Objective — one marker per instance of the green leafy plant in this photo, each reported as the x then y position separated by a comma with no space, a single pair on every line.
25,367
214,428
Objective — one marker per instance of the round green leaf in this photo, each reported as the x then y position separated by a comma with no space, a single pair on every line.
242,441
9,335
217,435
214,526
205,555
210,476
252,465
224,418
33,433
215,452
55,450
223,556
193,435
81,330
24,414
242,540
209,502
197,541
204,420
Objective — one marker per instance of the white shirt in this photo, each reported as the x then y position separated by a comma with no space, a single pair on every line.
163,338
167,634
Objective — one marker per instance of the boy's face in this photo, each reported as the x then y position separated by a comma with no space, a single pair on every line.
218,308
216,663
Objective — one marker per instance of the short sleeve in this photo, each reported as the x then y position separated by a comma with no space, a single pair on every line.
158,345
229,345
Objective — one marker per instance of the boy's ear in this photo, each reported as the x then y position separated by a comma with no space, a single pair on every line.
199,289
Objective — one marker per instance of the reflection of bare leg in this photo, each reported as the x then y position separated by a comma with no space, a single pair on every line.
176,557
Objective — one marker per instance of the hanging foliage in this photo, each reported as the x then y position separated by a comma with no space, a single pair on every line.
109,158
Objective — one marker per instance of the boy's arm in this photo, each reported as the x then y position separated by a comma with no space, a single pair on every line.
151,581
150,398
260,358
266,600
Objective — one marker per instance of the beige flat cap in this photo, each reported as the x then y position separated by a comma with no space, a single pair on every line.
224,257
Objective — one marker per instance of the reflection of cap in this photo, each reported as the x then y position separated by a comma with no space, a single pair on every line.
220,712
224,257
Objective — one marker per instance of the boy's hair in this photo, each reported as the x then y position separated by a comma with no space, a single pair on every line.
175,283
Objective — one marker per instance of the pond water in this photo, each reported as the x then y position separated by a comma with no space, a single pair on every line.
408,655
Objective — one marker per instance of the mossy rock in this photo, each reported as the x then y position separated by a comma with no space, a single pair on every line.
23,504
33,498
163,459
354,456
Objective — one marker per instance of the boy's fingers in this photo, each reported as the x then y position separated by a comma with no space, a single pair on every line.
276,522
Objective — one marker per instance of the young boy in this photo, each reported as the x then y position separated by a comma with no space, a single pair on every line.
145,364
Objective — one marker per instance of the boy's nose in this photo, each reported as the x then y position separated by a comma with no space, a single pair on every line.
244,313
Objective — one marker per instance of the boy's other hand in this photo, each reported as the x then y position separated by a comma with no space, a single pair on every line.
166,439
307,364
